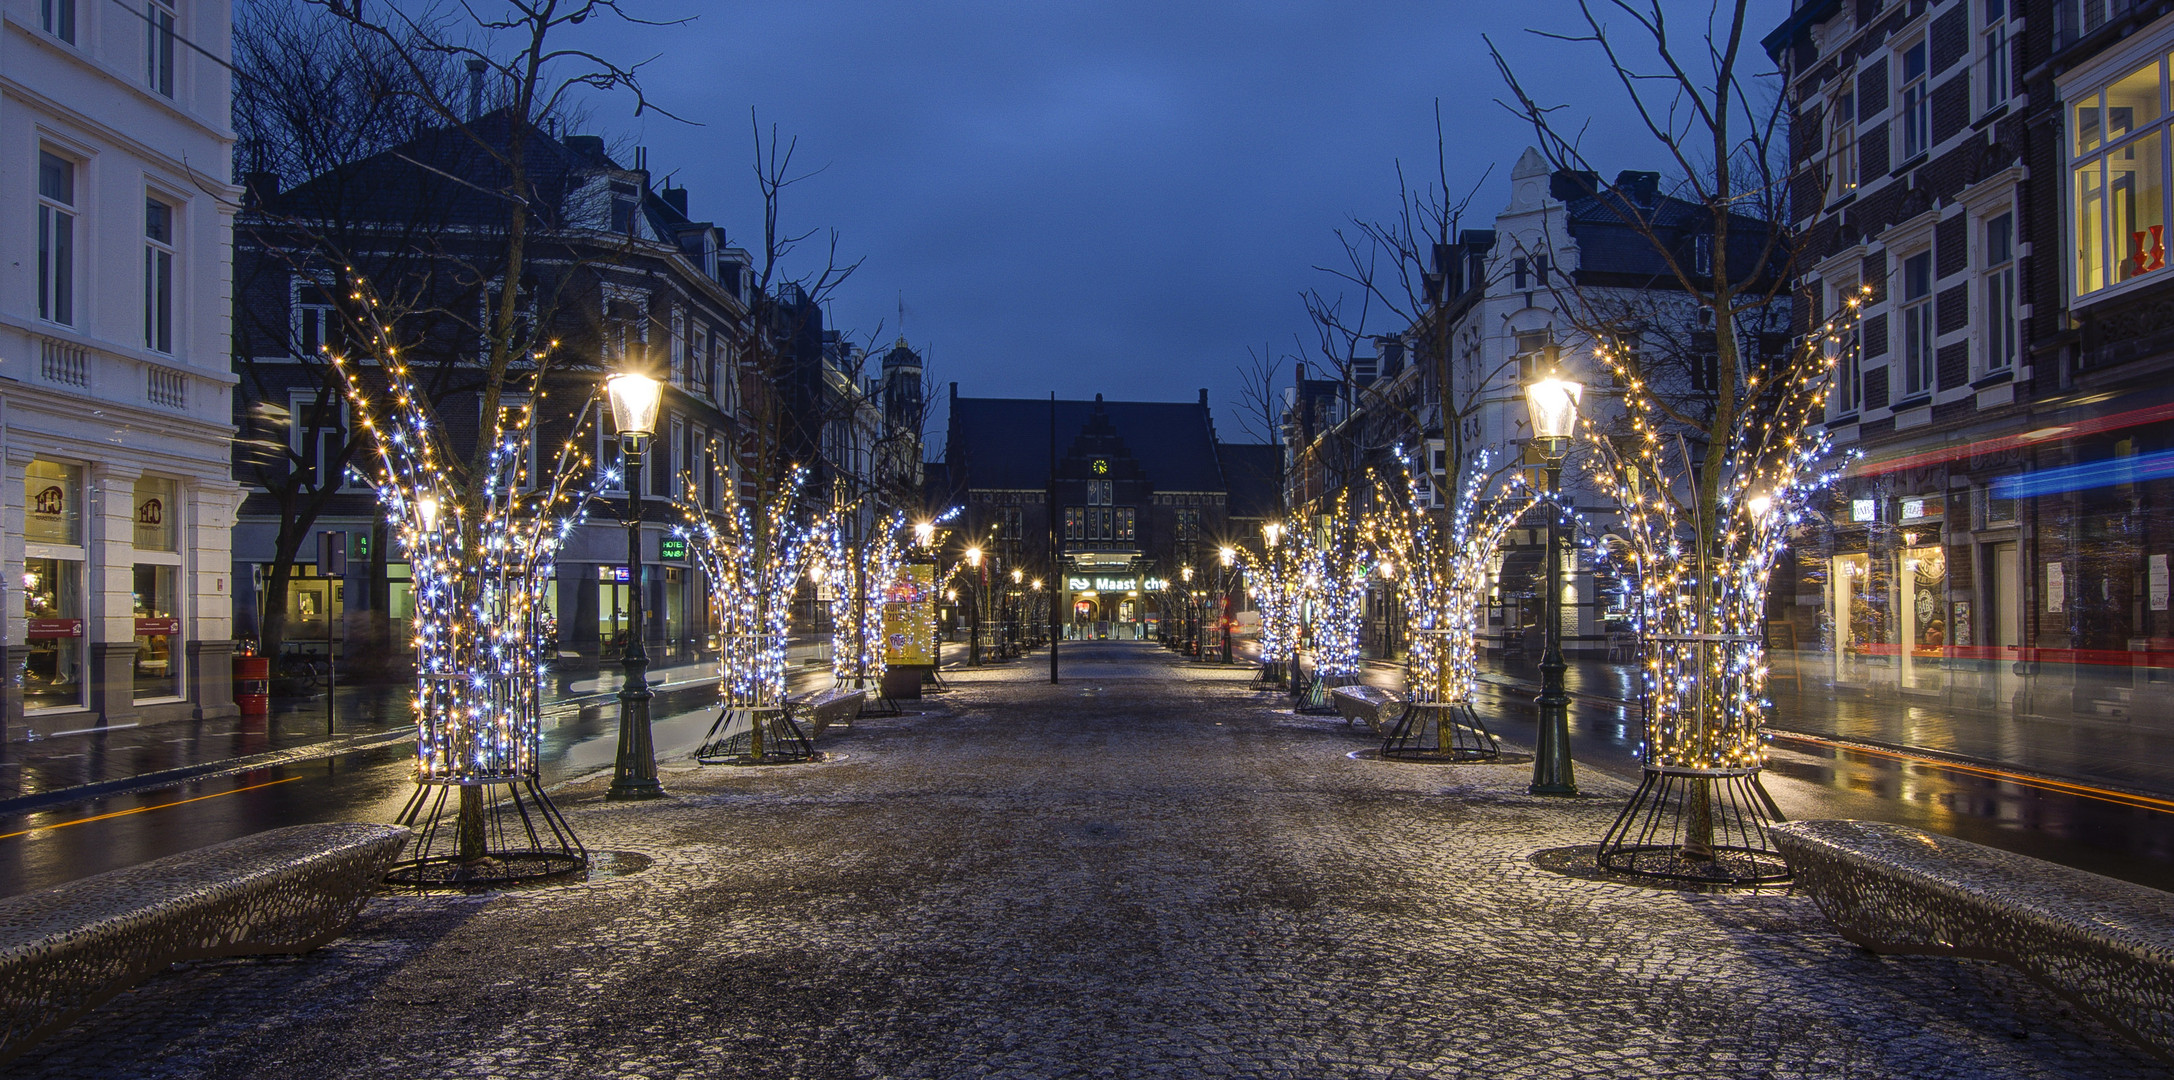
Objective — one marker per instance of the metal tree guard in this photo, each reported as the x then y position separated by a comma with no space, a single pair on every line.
481,566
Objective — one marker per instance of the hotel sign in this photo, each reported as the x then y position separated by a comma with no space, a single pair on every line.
1107,584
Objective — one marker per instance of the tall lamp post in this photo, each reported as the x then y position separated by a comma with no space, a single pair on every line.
1553,403
981,587
1192,622
634,402
1229,558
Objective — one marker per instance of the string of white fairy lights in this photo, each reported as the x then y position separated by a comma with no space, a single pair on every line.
1700,588
1441,575
751,558
1333,571
862,577
481,552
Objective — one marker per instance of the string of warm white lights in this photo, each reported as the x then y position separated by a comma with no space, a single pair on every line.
1700,587
1332,580
480,550
752,560
1442,574
861,578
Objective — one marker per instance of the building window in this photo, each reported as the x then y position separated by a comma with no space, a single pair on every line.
52,503
1075,523
157,515
57,17
158,18
56,238
1535,353
1913,102
1519,271
53,607
1099,492
1998,292
1849,361
1842,143
317,322
1917,324
2118,178
1188,526
679,351
1127,521
318,437
157,604
1993,55
158,276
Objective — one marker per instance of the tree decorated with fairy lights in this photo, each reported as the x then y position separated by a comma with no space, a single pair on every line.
752,555
481,535
1441,574
1700,568
861,576
1272,580
1332,572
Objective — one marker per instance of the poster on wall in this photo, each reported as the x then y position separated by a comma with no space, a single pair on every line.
1962,622
2056,588
2158,583
909,617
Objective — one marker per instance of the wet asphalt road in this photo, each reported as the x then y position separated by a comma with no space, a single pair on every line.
2123,834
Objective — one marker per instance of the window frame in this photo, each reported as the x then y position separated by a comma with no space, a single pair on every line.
159,19
1917,326
299,403
60,19
1842,141
1995,54
1849,374
2087,88
1913,99
1998,282
60,220
160,256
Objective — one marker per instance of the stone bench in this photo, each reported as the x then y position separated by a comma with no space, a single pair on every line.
822,708
66,949
1379,708
2106,944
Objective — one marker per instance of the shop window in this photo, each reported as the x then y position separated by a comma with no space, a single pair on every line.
2117,177
158,631
52,503
53,646
157,514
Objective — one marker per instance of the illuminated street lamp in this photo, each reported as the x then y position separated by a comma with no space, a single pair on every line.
634,403
1553,404
1228,556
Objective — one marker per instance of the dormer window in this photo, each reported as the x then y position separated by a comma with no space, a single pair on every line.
622,207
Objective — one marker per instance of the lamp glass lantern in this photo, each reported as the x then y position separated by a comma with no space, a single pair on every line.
1553,405
635,400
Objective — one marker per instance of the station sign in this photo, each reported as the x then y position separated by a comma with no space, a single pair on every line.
1101,584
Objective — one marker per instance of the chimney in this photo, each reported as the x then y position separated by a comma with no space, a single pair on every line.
1203,397
676,198
476,66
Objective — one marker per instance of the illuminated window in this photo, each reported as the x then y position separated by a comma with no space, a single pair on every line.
2117,144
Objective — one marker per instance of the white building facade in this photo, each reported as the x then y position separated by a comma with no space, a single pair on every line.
115,380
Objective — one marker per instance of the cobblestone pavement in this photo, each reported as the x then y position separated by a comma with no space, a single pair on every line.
1145,871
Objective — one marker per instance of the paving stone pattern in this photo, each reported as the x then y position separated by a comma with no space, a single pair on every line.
1147,871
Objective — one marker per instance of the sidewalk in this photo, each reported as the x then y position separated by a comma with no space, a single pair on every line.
43,770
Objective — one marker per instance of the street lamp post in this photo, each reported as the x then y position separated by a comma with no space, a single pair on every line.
1553,403
973,647
634,401
1192,621
1229,558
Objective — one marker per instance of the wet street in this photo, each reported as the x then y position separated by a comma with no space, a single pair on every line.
2122,832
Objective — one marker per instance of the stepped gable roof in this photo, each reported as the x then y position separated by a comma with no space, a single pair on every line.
1004,442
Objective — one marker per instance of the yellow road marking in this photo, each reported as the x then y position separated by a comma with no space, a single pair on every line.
2122,798
142,809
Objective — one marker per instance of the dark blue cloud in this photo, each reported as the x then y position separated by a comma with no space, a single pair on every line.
1100,197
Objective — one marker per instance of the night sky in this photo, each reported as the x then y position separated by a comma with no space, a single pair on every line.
1109,197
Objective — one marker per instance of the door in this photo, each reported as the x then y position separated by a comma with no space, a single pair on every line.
2004,588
